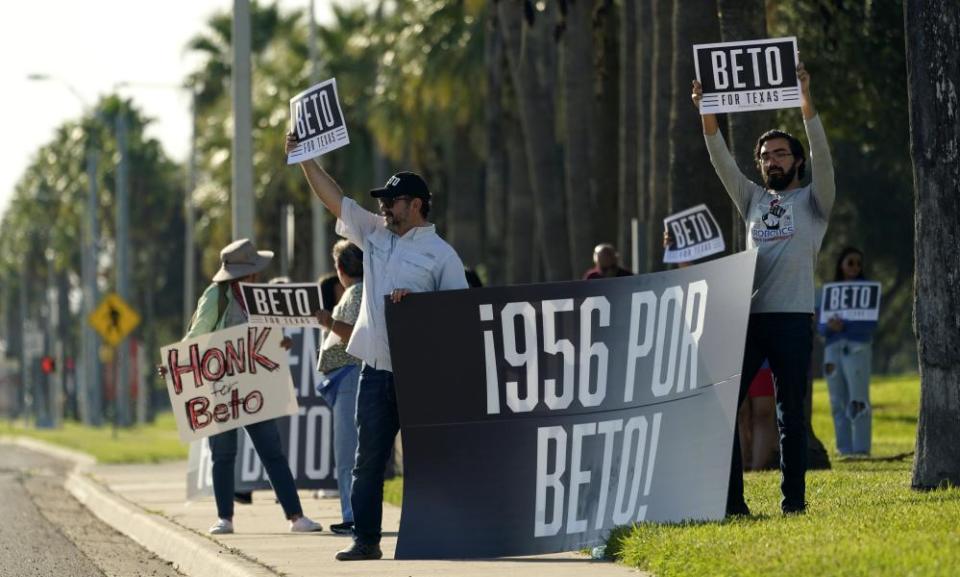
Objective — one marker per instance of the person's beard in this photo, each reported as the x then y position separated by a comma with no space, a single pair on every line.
779,180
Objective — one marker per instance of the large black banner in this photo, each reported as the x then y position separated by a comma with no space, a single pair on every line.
536,418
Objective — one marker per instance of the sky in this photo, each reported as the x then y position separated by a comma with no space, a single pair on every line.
91,46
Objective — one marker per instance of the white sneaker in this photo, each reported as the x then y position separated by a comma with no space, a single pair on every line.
221,527
305,525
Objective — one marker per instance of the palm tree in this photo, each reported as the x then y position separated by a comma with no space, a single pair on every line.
527,39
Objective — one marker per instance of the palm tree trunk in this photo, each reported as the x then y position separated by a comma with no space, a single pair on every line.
521,216
743,20
496,166
605,149
932,35
577,55
691,178
525,43
658,179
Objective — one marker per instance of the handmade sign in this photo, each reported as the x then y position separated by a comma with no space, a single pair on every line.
226,379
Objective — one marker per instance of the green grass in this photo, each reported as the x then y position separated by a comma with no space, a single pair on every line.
863,517
143,444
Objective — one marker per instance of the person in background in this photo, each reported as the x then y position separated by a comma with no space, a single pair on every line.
606,263
341,372
330,290
846,366
757,422
221,306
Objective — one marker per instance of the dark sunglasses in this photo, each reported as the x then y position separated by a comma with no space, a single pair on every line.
389,202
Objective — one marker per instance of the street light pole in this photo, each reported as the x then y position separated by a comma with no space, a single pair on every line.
242,207
189,261
318,213
122,254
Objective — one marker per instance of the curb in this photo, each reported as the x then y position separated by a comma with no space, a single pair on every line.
191,553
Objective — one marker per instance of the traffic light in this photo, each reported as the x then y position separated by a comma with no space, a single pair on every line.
48,365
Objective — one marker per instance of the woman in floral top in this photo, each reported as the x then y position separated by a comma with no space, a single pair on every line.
342,371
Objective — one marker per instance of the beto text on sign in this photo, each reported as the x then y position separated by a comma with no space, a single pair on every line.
748,75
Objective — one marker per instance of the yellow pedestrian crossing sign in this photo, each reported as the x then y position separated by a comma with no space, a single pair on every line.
113,319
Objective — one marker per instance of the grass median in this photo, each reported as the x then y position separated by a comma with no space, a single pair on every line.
155,442
863,518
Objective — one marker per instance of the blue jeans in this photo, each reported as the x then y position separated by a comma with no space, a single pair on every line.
847,370
345,437
266,440
786,339
377,424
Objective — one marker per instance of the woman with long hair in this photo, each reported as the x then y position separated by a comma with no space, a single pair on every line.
846,367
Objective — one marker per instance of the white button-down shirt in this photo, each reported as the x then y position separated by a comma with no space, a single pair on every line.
419,261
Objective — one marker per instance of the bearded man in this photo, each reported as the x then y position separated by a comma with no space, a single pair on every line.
785,221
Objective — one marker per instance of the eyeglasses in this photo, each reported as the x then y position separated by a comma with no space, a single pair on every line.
775,155
389,202
853,262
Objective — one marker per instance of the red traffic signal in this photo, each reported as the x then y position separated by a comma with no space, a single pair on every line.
48,365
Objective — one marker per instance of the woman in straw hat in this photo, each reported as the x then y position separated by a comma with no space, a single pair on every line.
221,306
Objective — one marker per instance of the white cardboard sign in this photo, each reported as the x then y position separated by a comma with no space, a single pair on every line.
695,234
748,75
850,301
316,120
228,379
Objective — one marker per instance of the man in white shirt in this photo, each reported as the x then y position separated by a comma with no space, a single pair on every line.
402,253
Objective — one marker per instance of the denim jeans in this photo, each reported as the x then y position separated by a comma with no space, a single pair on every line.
266,440
847,370
345,437
377,425
786,339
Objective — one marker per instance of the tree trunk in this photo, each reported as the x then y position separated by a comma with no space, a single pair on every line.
631,103
658,179
692,180
526,53
605,148
578,130
465,199
743,20
933,67
496,167
521,217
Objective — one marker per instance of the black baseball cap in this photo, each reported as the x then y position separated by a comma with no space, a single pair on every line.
403,184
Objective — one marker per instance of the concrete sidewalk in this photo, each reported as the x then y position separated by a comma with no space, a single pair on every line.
147,502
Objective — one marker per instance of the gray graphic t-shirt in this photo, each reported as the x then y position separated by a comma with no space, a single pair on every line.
787,228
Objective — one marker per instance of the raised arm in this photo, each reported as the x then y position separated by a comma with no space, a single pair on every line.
824,184
322,184
738,186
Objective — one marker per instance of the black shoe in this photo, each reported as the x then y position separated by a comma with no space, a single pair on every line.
739,510
345,528
243,498
360,552
794,509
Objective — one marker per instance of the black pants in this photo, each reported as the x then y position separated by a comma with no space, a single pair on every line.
785,339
